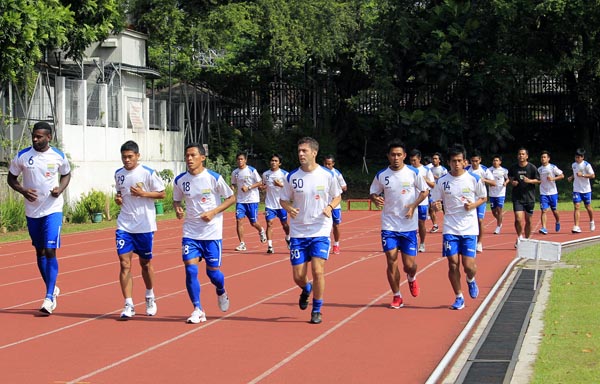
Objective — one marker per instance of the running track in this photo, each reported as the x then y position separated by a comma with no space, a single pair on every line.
263,338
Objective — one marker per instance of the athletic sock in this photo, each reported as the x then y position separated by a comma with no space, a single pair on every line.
217,279
307,288
150,292
398,294
192,284
411,279
41,263
129,301
336,243
470,280
270,243
51,275
317,305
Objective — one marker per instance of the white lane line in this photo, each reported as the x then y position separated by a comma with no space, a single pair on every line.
197,329
316,340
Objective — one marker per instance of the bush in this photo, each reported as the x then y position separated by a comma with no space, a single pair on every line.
92,202
12,214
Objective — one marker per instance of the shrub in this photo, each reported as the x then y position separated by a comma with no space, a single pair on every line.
12,214
93,202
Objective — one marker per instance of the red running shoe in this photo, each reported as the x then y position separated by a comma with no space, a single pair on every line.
414,288
336,249
397,303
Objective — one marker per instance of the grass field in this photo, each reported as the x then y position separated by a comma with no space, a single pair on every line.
570,349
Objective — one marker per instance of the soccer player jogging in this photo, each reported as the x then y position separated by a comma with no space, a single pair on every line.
481,171
549,174
46,174
202,190
437,170
497,179
273,183
523,178
137,187
246,180
415,161
398,190
336,214
309,195
460,193
582,189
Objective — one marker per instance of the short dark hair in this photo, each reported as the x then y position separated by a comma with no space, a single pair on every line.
196,145
241,154
130,145
545,153
278,156
499,157
42,125
523,149
396,143
580,152
457,149
312,143
476,153
329,157
415,152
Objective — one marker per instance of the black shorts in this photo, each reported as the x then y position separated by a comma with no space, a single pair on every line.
527,206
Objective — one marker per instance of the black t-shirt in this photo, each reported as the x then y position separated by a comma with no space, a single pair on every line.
524,192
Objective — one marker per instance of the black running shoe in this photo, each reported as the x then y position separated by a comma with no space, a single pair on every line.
303,302
315,318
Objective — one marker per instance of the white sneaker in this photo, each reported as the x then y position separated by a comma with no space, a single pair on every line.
241,247
128,312
151,307
263,236
223,302
592,226
47,307
497,231
576,229
197,317
479,247
54,296
422,247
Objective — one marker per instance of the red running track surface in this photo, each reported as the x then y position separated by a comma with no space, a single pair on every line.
263,338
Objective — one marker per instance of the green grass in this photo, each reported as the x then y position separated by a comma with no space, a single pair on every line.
570,349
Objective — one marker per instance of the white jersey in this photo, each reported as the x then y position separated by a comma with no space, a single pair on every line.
438,171
342,183
310,192
454,192
425,174
582,184
138,214
548,187
273,191
499,175
41,172
201,193
481,171
400,188
246,176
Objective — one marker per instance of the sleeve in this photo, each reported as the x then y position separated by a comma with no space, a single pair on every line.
335,189
429,175
65,167
376,186
536,173
341,180
421,184
257,177
155,182
15,169
234,178
557,171
286,191
177,192
435,192
223,189
589,170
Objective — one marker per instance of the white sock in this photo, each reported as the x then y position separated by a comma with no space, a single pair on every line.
411,279
270,243
398,294
470,280
129,301
150,292
336,243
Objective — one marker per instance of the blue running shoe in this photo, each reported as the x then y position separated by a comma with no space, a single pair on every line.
473,289
543,231
458,304
557,227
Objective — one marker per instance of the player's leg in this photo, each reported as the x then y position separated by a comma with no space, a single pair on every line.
408,250
191,254
240,214
528,214
468,262
143,247
299,260
587,203
389,243
422,212
212,251
252,213
336,216
450,249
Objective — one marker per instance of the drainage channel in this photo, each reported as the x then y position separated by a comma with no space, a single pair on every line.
494,357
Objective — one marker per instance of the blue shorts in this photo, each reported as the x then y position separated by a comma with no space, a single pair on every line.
548,201
578,197
209,250
336,215
458,244
497,202
273,213
481,211
139,243
422,212
249,210
406,242
45,231
302,250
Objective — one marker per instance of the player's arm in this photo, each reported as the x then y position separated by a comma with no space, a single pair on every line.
62,185
179,212
333,203
289,207
228,202
13,182
411,207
